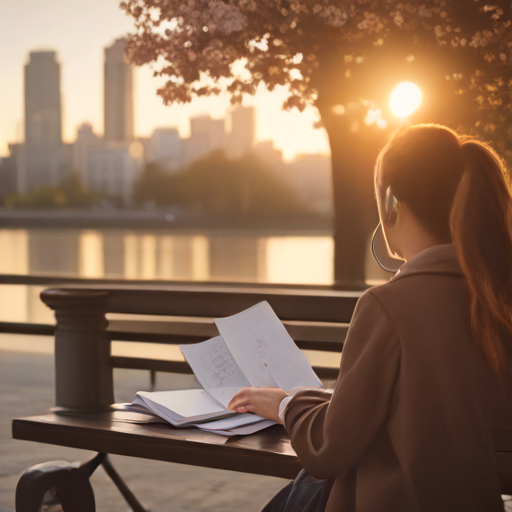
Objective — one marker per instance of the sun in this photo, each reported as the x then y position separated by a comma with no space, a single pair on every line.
405,99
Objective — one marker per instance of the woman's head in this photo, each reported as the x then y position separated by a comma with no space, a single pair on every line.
423,165
453,188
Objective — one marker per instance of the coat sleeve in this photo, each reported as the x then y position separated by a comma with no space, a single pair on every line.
330,433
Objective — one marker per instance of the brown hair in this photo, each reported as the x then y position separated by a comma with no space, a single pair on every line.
458,189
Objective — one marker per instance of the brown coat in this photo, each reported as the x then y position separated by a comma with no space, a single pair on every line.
409,424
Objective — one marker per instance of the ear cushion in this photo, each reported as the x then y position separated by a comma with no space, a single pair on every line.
390,208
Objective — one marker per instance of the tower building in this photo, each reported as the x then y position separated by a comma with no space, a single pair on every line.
42,100
118,94
243,131
42,164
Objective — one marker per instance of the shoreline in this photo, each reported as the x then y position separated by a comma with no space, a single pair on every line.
162,220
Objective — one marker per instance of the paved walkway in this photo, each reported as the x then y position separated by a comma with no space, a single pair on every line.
26,388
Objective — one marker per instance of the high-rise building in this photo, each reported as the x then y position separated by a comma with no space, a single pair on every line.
7,177
269,155
310,177
44,160
42,101
195,147
118,94
85,139
112,170
243,131
166,149
213,128
17,155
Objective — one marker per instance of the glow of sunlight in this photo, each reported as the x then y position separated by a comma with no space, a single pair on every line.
13,303
131,253
375,116
148,256
296,259
136,149
200,258
15,260
91,254
166,259
405,99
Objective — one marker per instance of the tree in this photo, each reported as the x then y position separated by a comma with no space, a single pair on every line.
77,194
70,193
154,186
343,57
215,186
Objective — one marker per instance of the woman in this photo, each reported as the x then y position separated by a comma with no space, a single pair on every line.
426,372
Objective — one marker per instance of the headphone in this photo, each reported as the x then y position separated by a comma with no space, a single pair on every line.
390,208
391,215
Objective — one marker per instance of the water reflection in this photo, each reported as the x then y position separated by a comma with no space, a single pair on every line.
166,255
19,303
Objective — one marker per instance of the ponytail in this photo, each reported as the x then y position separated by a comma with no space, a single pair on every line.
480,228
458,188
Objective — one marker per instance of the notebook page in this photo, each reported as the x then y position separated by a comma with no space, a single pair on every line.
213,364
187,403
264,350
223,395
215,369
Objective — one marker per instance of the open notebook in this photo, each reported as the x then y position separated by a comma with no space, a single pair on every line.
253,349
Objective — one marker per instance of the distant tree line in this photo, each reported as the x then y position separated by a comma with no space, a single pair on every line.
70,193
217,186
213,186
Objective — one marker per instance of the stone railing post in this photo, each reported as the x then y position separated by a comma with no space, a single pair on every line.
83,372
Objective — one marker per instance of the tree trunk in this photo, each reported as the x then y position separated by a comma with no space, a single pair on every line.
354,148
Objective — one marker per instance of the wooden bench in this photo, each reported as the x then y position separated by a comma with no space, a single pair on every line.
85,415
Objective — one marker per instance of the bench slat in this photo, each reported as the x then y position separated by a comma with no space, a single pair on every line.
307,336
174,339
162,365
206,328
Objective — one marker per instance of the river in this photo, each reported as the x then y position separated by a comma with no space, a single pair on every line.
214,255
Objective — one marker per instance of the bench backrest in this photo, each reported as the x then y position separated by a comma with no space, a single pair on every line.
316,320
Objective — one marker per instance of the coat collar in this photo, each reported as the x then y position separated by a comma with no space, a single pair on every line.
438,259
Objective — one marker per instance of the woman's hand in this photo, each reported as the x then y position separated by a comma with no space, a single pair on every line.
261,401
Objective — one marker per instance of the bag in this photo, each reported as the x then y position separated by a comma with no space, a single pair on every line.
304,494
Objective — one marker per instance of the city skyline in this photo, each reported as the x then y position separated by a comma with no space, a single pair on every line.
110,165
82,84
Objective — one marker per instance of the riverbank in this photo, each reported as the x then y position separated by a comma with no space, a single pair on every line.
151,219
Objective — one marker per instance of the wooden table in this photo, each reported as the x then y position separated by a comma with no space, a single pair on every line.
268,452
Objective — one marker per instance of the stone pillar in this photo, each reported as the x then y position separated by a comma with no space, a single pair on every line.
83,372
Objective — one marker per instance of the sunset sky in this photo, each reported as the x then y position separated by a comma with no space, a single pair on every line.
79,30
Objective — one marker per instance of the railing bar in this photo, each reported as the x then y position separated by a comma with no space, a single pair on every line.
27,328
158,365
58,280
157,338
